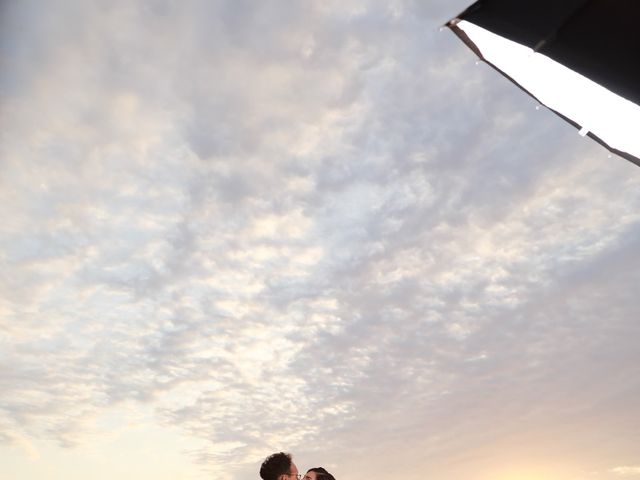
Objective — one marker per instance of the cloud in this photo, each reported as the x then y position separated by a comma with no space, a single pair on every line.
317,228
626,471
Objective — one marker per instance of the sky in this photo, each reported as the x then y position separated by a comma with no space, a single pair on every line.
237,227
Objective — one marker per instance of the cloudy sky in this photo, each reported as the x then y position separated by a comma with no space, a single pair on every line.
235,227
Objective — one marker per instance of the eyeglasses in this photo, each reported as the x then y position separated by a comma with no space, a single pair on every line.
297,475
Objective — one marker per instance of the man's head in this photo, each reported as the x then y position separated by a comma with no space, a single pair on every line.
279,466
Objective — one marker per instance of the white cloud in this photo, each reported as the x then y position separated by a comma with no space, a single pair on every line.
626,471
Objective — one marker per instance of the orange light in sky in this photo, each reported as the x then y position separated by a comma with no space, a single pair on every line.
529,473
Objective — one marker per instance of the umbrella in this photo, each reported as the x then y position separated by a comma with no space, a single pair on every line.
579,58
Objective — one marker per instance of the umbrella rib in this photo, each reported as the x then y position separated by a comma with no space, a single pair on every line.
547,40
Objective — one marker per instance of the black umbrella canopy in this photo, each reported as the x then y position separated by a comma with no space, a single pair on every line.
598,39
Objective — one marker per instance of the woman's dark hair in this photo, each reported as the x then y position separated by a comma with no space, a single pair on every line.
321,473
275,465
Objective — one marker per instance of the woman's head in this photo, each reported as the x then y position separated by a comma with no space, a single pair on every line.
318,473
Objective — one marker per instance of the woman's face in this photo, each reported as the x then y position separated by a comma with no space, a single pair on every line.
309,476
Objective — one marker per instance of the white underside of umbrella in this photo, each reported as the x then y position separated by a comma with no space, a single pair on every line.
612,118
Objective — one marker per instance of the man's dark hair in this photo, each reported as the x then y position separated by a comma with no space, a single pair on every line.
275,465
321,473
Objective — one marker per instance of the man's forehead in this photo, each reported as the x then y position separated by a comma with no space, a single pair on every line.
294,469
